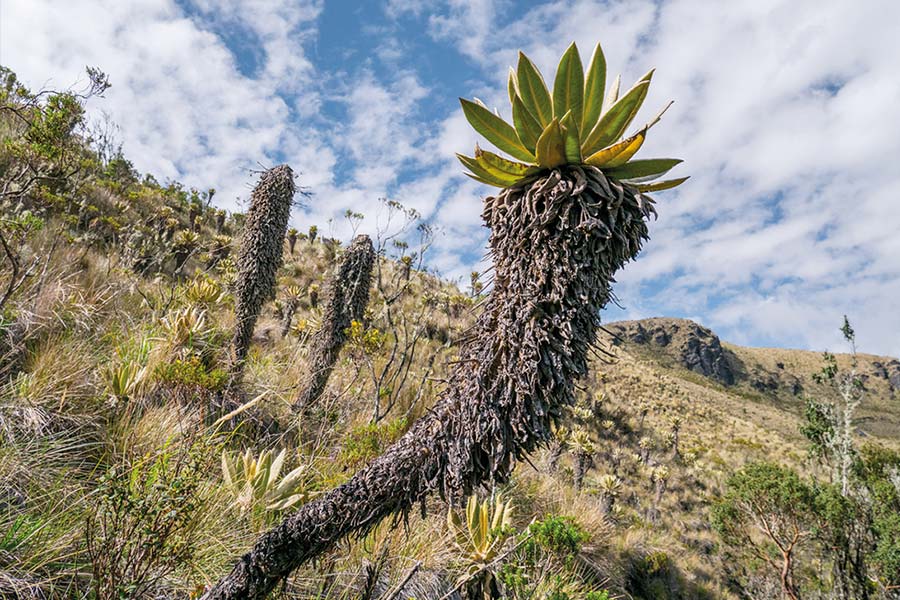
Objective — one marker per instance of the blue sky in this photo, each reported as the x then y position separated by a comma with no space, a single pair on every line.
786,113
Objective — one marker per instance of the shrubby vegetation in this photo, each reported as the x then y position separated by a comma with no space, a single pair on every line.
151,364
842,526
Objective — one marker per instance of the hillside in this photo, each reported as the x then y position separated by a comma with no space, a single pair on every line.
135,464
773,381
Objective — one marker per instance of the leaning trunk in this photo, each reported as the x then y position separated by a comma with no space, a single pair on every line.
556,244
260,255
346,302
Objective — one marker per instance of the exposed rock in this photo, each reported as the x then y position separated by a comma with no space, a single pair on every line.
890,371
695,347
764,382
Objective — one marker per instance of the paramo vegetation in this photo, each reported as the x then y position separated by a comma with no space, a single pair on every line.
197,403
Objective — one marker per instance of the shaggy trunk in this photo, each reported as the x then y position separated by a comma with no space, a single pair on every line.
181,257
676,453
348,295
218,254
220,222
556,450
583,463
262,245
660,489
288,315
292,241
606,503
556,244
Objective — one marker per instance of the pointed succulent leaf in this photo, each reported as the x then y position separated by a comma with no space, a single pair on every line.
472,512
614,121
261,480
495,130
643,168
497,164
486,181
277,463
229,473
630,150
490,177
286,503
594,87
612,95
614,153
646,179
289,482
534,91
662,185
551,146
249,465
528,128
568,88
571,139
512,86
484,525
502,514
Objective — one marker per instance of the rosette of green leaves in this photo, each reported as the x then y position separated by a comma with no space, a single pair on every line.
579,123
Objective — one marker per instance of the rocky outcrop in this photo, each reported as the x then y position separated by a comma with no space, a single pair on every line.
694,346
889,370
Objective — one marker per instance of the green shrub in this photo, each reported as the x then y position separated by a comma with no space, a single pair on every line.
192,372
144,520
366,442
561,536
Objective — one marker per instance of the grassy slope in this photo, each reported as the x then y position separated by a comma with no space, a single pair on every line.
61,429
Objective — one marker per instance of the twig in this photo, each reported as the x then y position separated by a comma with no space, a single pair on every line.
395,591
239,410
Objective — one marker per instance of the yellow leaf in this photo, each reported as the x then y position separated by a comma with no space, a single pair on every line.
619,153
662,185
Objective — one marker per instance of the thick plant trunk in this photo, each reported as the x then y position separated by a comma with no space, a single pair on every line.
288,315
583,463
262,245
556,451
556,243
348,295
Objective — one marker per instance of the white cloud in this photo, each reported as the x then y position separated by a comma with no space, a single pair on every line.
786,115
185,111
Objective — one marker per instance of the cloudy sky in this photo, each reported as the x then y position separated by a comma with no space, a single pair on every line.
787,113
